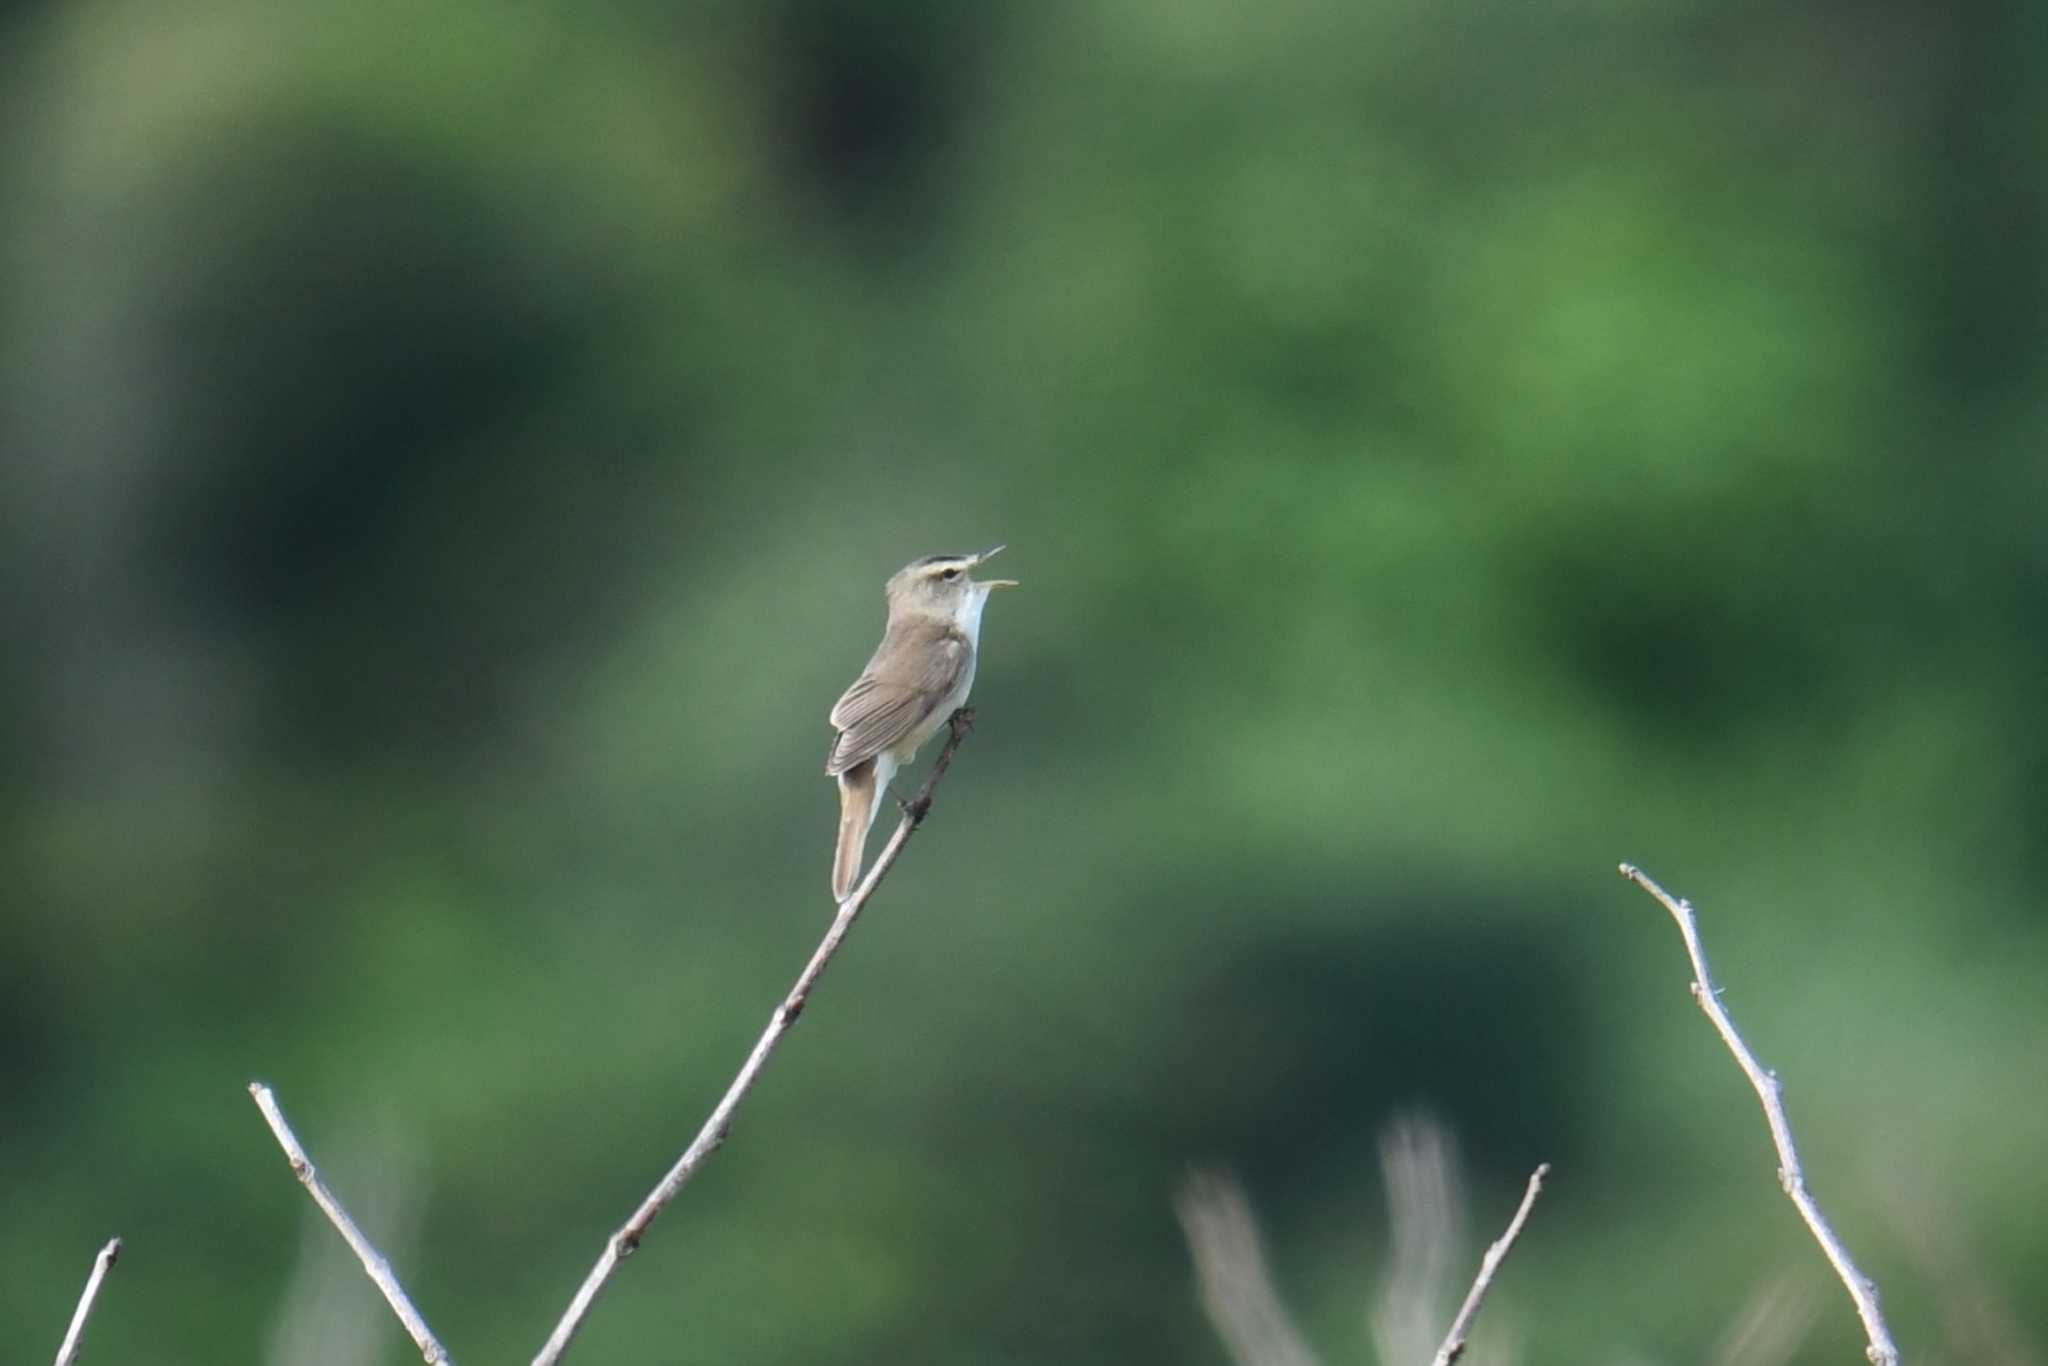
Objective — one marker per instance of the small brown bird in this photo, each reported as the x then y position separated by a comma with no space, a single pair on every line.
919,676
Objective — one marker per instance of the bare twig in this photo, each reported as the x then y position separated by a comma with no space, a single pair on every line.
1461,1326
373,1261
1862,1290
320,1319
1426,1223
74,1337
712,1136
1237,1289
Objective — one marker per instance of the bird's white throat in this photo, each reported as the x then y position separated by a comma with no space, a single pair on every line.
968,618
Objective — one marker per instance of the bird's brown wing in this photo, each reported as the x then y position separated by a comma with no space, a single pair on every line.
916,668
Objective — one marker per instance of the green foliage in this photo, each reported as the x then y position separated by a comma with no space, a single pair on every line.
453,453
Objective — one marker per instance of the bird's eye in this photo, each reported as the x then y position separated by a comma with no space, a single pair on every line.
950,575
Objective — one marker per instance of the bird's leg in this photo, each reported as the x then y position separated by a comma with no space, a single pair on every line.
915,809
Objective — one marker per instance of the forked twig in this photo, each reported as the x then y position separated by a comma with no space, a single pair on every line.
74,1337
1882,1351
1461,1327
378,1269
623,1243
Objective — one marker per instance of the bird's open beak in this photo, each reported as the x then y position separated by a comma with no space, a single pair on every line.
983,558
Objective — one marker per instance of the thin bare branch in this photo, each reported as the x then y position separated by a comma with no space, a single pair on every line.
1461,1326
1791,1175
319,1319
373,1261
623,1243
74,1337
1230,1264
1426,1224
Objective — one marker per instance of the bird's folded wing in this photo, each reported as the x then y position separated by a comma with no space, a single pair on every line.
887,703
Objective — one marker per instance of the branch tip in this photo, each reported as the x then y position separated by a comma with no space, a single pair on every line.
74,1336
1461,1327
1770,1093
375,1265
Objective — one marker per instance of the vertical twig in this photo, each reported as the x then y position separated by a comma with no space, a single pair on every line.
1230,1266
623,1243
1461,1326
1425,1221
1791,1175
74,1337
373,1261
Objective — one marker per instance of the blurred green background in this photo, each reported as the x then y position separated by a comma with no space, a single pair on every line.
452,454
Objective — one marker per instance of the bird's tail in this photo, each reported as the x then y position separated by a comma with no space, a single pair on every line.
858,795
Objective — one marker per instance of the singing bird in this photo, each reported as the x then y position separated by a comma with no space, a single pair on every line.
919,676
